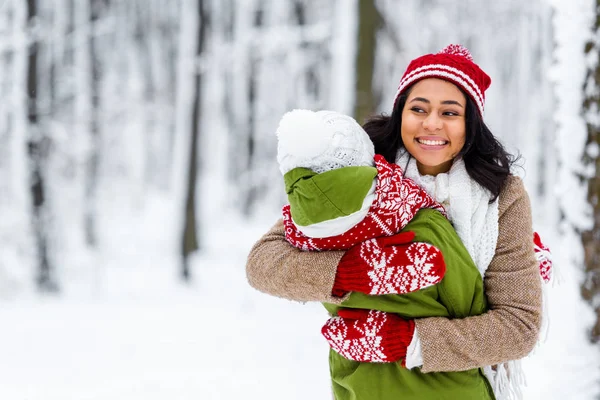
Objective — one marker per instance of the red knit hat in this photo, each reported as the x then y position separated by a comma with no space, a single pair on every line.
454,64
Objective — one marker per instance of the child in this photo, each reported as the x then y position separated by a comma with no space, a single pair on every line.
341,194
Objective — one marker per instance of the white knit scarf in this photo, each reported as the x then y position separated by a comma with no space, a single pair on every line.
467,203
475,220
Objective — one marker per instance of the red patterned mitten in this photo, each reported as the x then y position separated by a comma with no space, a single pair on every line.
369,336
389,265
544,257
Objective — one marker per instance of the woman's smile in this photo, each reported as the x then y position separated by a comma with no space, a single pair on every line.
431,143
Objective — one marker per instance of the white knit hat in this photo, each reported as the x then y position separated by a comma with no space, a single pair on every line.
321,141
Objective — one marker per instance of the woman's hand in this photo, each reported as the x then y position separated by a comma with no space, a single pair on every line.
369,336
389,265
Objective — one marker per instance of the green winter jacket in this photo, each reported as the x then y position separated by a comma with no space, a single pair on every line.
460,294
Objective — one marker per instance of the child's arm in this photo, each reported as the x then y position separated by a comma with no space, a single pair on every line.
387,265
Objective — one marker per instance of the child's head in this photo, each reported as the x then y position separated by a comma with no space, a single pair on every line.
321,141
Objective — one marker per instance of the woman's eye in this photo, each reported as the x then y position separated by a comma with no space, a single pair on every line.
417,109
451,113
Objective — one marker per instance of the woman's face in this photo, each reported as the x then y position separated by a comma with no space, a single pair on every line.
433,124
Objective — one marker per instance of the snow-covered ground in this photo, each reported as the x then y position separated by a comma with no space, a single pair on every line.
143,335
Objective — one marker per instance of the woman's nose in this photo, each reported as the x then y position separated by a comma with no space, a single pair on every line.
432,122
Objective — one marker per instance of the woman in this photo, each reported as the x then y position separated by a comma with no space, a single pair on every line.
437,135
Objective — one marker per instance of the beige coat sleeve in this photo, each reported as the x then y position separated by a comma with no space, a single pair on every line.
510,329
277,268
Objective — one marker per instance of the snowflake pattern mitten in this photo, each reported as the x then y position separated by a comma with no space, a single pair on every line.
389,265
368,335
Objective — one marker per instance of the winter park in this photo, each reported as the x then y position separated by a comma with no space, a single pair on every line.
143,157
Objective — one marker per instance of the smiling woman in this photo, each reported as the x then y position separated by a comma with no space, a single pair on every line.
437,137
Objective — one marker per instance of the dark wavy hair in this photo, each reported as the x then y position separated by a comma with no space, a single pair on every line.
486,160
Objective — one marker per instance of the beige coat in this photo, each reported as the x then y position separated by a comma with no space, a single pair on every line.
508,331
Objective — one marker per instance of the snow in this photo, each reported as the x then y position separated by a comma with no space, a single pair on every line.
145,335
125,327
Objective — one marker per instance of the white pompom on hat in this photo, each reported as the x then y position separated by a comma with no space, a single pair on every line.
321,141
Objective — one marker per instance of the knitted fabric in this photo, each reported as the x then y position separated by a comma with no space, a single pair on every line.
389,265
321,141
467,204
368,335
454,64
396,202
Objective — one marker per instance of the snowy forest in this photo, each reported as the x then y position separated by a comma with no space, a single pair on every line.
138,166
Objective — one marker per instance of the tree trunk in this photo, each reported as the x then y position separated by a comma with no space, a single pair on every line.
253,63
591,158
369,22
190,232
97,7
37,150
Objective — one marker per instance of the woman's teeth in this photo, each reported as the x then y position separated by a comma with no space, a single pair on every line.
432,142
